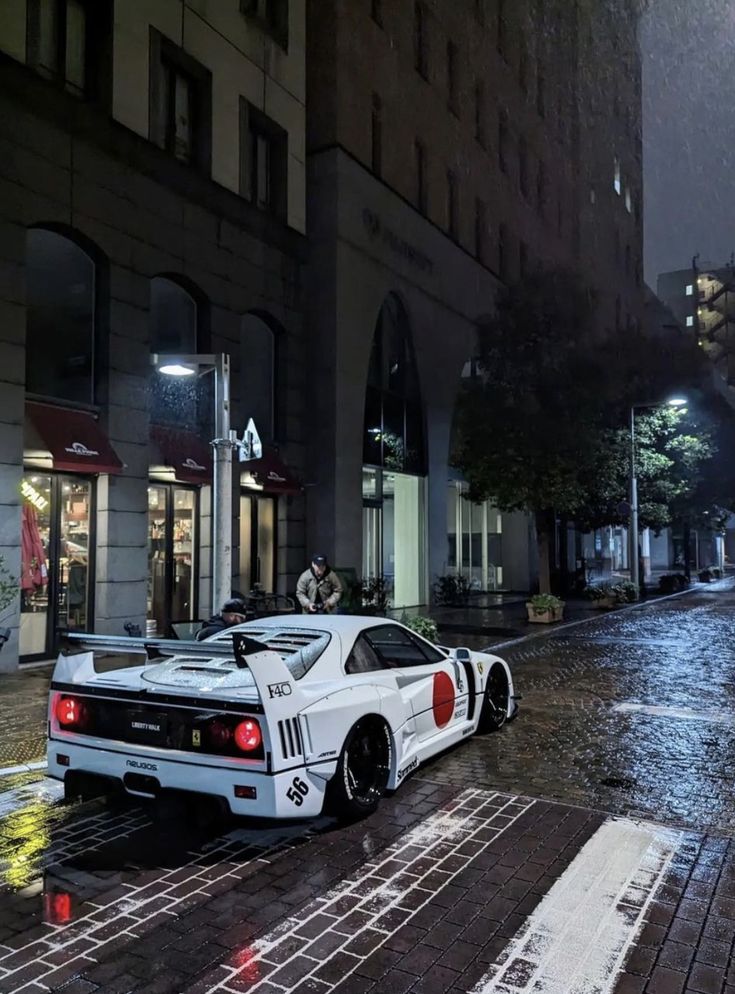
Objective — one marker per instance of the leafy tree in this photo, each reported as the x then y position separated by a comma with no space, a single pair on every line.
543,428
530,426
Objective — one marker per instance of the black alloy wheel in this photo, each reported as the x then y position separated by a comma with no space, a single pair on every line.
494,712
363,769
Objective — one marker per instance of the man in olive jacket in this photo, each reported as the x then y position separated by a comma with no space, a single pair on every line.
319,588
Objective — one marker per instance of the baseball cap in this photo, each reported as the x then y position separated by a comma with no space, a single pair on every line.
234,606
319,560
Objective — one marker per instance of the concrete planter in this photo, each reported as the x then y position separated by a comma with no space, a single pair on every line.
606,603
544,617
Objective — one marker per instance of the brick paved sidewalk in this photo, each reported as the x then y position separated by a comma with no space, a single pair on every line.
23,705
443,890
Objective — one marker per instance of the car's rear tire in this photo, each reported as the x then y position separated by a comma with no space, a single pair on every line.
494,713
363,769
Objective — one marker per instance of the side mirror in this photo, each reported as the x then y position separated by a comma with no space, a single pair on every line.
463,655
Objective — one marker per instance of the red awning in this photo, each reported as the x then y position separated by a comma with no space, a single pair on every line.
190,457
74,438
272,474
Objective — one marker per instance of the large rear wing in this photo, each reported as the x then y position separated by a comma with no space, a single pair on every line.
279,692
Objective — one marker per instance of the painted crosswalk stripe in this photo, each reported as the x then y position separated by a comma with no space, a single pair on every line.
384,896
578,938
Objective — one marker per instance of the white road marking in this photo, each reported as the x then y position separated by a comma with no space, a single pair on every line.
578,938
686,714
406,876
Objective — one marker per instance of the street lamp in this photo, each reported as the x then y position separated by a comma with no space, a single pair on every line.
223,444
676,402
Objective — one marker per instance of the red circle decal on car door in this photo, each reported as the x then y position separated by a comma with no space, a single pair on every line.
443,699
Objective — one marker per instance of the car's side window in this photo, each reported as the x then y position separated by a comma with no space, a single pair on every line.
433,655
363,658
396,647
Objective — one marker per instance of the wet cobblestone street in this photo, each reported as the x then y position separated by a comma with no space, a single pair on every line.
572,743
586,848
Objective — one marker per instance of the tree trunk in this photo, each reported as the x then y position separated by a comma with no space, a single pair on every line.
687,541
564,580
545,543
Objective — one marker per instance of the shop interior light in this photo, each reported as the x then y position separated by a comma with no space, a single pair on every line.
677,402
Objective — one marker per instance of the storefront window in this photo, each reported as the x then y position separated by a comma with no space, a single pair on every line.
478,555
172,572
257,543
184,527
35,554
55,552
76,497
393,534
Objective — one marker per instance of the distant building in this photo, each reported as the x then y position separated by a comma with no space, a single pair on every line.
451,148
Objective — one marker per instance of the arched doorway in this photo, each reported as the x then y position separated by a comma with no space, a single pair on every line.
394,462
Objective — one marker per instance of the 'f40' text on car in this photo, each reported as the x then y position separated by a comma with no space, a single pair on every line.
277,716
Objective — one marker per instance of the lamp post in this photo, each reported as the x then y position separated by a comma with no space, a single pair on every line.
633,531
223,444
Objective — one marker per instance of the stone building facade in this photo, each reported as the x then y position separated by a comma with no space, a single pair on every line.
152,200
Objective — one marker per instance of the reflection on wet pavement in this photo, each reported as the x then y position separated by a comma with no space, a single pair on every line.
575,743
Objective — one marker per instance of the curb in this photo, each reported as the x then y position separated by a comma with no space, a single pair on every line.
9,771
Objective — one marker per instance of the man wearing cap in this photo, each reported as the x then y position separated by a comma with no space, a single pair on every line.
319,588
234,612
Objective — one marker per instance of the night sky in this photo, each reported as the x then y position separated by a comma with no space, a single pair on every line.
688,132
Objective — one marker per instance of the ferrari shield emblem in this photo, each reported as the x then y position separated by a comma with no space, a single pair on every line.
480,668
196,737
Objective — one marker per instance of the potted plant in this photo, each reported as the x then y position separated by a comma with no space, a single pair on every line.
422,625
374,596
603,596
672,583
543,609
8,593
626,592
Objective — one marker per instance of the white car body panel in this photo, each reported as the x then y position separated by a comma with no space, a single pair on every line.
304,717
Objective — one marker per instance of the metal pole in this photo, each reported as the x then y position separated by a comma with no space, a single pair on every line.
222,495
634,571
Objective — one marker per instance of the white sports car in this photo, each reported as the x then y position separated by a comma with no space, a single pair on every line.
276,716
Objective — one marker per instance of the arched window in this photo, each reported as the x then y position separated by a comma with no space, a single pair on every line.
173,318
258,374
60,329
394,431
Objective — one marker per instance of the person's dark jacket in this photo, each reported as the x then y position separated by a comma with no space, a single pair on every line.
215,625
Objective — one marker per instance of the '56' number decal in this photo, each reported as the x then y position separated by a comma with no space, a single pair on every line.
297,791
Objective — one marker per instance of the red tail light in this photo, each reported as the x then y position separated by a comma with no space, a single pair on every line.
70,712
248,736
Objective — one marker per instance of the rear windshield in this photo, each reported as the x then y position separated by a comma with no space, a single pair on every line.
299,648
